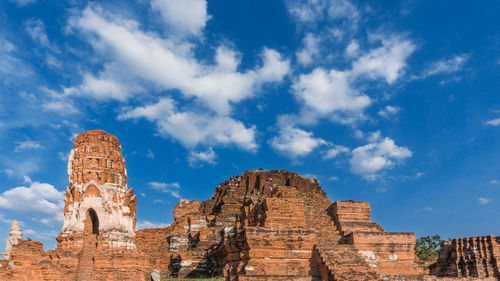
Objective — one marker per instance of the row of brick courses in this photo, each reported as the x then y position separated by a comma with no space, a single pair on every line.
260,225
470,257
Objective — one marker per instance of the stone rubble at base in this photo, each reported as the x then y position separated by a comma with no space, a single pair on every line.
260,225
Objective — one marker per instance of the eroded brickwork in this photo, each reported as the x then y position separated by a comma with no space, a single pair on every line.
260,225
97,241
98,193
470,257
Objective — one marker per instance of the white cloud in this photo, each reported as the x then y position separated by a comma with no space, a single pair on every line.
330,92
494,122
58,103
310,49
23,2
63,156
335,151
170,188
294,142
150,154
493,182
11,67
62,107
389,111
42,236
483,201
107,86
333,178
4,220
387,61
425,209
167,65
9,172
186,17
27,179
369,160
313,11
335,94
374,136
40,201
143,224
446,65
192,129
197,158
36,30
352,49
27,145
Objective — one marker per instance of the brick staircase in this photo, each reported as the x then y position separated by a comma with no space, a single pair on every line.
318,219
342,262
86,259
337,262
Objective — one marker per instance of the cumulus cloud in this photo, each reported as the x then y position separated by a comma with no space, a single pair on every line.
294,142
483,201
387,61
310,49
313,11
453,64
40,201
170,188
352,49
196,158
185,17
27,145
389,111
330,93
335,151
336,94
333,178
148,58
143,224
192,129
369,160
493,122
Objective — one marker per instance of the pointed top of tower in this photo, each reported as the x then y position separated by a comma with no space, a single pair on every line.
15,230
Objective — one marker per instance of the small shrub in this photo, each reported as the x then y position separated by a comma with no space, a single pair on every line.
428,247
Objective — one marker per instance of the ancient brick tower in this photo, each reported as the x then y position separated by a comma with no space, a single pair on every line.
98,202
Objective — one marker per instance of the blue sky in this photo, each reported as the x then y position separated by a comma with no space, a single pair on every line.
391,102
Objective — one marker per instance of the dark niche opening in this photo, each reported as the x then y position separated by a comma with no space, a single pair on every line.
94,221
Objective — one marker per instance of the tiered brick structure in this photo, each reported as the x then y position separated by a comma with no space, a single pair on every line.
98,200
470,257
260,225
265,225
97,241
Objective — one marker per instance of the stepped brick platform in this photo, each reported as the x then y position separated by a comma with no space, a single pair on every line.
260,225
470,257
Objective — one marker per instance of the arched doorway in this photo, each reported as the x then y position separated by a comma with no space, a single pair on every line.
92,222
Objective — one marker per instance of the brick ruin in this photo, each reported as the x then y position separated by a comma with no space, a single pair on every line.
260,225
